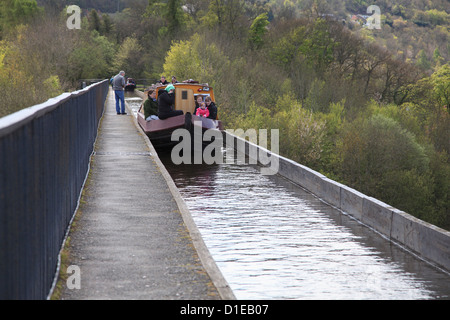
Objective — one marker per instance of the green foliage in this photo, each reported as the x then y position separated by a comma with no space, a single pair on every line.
410,190
436,17
382,159
257,31
174,16
405,115
429,101
12,80
256,117
224,15
15,12
287,47
195,59
317,99
110,6
312,43
302,134
52,86
183,59
129,58
440,81
318,46
437,57
107,27
422,60
334,122
94,21
93,58
44,58
440,172
99,23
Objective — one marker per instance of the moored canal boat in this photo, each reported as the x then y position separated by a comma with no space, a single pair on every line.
130,85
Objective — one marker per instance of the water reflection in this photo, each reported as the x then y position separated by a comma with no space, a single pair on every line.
273,240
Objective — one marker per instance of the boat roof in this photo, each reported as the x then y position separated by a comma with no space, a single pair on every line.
201,88
189,82
184,84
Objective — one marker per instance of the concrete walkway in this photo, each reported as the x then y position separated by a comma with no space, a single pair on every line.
133,237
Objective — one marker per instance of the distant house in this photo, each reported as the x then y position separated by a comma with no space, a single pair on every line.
359,19
356,19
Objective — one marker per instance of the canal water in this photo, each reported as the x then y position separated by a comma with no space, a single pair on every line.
272,239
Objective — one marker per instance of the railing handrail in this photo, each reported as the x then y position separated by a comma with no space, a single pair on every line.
17,119
45,158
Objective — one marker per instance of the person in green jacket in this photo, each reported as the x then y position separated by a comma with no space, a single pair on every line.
151,106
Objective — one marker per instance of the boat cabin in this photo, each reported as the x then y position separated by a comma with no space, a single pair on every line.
186,94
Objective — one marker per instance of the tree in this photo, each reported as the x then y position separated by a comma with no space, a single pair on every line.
302,134
312,43
107,25
398,75
129,58
440,80
174,16
374,59
195,59
224,14
13,79
437,58
318,45
383,160
169,14
15,12
422,60
183,59
94,21
257,31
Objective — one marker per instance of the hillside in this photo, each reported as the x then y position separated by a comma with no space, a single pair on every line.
106,6
416,31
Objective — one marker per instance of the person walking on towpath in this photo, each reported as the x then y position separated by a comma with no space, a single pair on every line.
118,84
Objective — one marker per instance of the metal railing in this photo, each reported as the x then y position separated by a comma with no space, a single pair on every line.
44,158
141,84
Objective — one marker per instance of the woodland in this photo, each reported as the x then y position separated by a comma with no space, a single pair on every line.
367,107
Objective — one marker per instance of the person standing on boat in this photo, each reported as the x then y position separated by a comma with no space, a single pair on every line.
198,101
163,80
166,101
151,106
118,84
211,107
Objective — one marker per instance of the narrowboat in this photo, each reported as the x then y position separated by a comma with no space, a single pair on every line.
130,85
186,93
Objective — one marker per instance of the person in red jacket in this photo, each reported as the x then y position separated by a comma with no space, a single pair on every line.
202,111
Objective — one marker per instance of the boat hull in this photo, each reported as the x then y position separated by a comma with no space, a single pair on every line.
160,131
